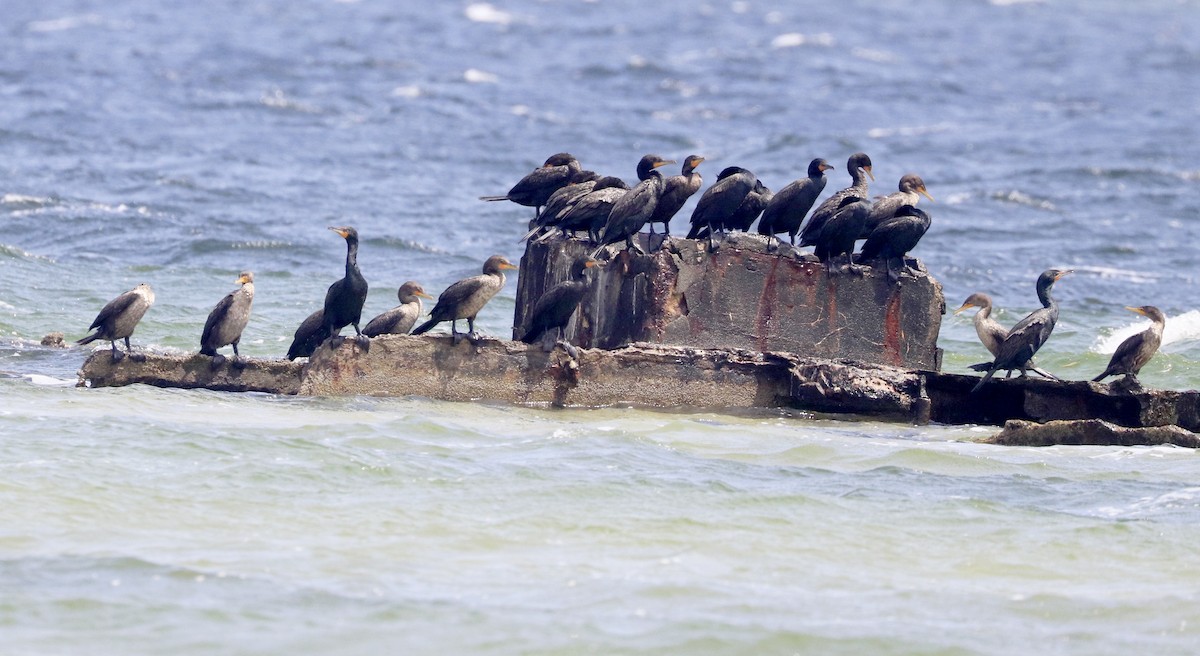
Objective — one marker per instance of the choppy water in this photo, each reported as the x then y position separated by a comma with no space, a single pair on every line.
178,143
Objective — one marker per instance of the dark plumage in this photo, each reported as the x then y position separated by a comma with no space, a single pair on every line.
465,298
553,309
227,321
634,209
119,317
534,189
1136,350
786,210
345,298
859,168
751,206
591,212
894,238
838,234
400,319
720,201
562,200
912,187
677,189
308,336
1025,338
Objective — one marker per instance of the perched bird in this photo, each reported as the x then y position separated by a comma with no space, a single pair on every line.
990,332
787,209
554,308
562,200
635,207
308,336
1136,350
400,319
119,317
1030,333
465,298
534,189
227,321
345,298
676,190
859,167
591,212
894,238
839,232
752,205
720,201
912,187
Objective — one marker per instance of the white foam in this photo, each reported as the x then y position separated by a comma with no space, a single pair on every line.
64,23
1180,328
482,12
795,40
409,91
477,76
49,381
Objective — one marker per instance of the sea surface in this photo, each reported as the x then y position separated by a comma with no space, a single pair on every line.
178,143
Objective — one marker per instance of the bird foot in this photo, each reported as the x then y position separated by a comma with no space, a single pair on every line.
117,356
137,357
335,343
363,343
216,362
570,348
238,363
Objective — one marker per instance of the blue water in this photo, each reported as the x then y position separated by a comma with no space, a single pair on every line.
180,143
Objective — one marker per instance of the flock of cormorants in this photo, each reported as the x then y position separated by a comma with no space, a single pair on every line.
568,199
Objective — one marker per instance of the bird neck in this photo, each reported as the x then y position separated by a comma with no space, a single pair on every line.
1044,296
858,178
351,256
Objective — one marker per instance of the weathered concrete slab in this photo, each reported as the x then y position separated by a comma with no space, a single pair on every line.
191,372
1090,432
743,297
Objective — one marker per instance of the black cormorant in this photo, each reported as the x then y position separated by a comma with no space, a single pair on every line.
1136,350
895,237
859,168
1025,338
227,321
591,212
400,319
562,200
676,190
554,308
839,232
119,317
345,298
912,187
787,209
720,201
308,336
535,188
632,210
465,298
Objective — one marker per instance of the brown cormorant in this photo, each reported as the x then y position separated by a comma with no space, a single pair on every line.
895,237
400,319
912,187
859,168
345,298
535,188
787,209
308,336
465,298
554,308
1025,338
227,321
119,317
1136,350
720,201
676,190
990,332
634,209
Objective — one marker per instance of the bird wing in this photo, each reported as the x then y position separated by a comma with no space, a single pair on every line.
455,296
1025,338
115,308
215,317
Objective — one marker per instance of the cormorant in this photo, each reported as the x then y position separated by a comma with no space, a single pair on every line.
1025,338
632,210
1136,350
752,205
345,298
676,190
787,209
227,321
859,168
721,201
912,187
465,298
535,188
990,332
400,319
562,200
591,212
119,317
895,237
554,308
308,336
839,232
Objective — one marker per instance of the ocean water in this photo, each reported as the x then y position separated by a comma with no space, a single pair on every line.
179,143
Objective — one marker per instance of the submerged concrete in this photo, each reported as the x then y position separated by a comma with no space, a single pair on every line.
743,297
1096,432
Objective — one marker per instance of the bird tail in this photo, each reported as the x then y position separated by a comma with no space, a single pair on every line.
1102,376
89,339
986,377
694,233
424,328
529,234
493,198
982,366
542,238
596,253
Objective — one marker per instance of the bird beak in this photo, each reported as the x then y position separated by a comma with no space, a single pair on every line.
869,173
506,265
826,167
424,295
1137,310
340,231
590,263
964,307
663,162
696,162
242,280
921,190
1063,273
